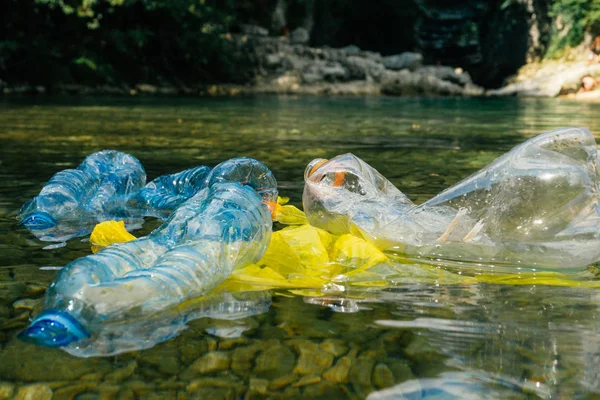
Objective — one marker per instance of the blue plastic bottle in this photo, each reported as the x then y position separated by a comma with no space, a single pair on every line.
246,171
74,200
164,194
223,227
110,185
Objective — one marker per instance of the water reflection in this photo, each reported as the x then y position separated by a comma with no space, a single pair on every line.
454,386
543,340
498,341
146,331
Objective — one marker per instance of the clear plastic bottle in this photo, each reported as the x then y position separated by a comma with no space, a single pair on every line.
74,200
165,193
110,185
537,206
223,227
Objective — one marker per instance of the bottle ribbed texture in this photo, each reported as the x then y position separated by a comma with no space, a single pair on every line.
111,185
221,228
74,200
164,194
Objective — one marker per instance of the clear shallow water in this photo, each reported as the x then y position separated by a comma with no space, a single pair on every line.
479,340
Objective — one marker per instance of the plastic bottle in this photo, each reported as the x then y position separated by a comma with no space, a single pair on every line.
110,185
165,193
537,206
246,171
221,228
74,200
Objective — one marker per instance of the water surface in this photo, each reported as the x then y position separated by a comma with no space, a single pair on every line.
422,339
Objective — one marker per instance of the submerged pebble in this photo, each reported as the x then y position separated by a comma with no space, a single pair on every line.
11,291
6,390
26,304
324,390
164,357
360,373
221,382
259,385
38,391
334,346
26,362
211,362
382,376
242,359
73,391
141,388
191,350
401,370
312,359
339,372
307,380
213,393
123,373
275,362
283,381
92,377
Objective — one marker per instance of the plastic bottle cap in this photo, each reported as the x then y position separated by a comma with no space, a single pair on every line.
38,221
53,328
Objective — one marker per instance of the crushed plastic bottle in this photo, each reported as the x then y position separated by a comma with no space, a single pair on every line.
112,185
223,227
74,200
165,193
537,206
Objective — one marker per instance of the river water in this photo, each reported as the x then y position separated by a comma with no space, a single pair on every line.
427,338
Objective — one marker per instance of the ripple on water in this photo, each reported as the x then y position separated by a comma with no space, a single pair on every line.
430,334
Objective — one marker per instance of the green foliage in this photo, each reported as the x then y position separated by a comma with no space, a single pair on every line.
573,18
116,41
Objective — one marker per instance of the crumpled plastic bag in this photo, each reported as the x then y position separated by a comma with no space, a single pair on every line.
287,214
299,256
107,233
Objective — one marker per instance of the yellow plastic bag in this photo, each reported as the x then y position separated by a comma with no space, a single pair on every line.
107,233
298,257
288,214
355,254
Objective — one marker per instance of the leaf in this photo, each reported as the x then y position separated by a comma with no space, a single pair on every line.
87,62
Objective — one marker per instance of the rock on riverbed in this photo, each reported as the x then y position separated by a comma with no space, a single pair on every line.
551,79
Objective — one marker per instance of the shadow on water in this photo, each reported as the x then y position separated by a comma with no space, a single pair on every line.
420,338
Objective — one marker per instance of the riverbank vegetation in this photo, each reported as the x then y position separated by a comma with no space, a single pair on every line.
573,20
114,41
189,42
